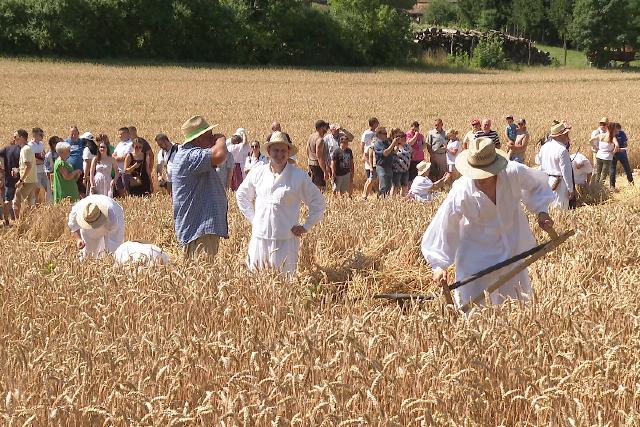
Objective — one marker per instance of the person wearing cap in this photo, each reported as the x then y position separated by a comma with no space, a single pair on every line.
199,199
43,189
481,222
239,148
422,187
471,134
97,223
556,163
510,130
270,198
332,142
595,137
518,147
415,140
317,155
75,156
437,146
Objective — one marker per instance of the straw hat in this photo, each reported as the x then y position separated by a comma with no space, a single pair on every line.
604,120
559,129
194,127
278,138
423,167
92,214
481,160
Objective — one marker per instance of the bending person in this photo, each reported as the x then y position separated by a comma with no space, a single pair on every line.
481,222
278,188
97,223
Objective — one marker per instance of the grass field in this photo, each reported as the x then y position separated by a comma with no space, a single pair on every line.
194,344
575,58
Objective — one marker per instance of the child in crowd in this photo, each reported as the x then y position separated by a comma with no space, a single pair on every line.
453,148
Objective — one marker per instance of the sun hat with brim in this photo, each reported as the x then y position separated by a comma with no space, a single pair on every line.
92,214
559,129
481,160
278,138
194,127
604,120
423,167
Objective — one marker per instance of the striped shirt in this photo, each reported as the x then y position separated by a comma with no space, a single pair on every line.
199,198
491,134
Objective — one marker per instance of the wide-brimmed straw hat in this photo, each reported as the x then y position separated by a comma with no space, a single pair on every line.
559,129
278,138
423,167
481,160
194,127
92,214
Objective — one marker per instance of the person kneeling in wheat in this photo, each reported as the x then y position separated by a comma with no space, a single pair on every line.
481,222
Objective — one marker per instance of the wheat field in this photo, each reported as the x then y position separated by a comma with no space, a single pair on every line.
210,344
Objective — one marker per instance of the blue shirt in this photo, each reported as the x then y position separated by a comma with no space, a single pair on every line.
199,198
622,139
75,156
381,160
512,131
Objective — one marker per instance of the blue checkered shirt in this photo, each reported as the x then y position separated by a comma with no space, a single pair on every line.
199,198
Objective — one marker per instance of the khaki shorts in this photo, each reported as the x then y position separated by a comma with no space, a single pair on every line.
25,192
206,245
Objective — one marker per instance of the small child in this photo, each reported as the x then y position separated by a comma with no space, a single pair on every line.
453,148
422,187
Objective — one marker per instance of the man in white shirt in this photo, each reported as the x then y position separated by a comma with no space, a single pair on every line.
556,163
165,155
595,136
124,147
270,199
97,223
43,189
366,142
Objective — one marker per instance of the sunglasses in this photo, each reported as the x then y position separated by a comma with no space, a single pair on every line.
255,146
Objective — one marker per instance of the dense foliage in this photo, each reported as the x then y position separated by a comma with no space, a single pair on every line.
230,31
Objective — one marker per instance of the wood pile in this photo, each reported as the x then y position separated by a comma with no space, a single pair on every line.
454,41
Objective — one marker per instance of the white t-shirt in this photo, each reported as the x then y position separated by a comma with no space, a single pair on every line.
580,175
605,150
87,155
451,158
121,150
38,148
595,134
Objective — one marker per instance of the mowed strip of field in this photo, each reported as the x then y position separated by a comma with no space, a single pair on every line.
92,344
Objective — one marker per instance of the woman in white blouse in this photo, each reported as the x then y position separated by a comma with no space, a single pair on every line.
255,158
607,147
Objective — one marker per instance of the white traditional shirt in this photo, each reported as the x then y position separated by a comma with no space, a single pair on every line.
556,162
474,233
421,189
277,200
580,175
122,149
239,151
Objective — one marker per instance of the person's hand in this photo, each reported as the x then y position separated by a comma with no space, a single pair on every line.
19,184
440,277
298,230
545,222
80,244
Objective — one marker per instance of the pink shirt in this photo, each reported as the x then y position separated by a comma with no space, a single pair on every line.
418,147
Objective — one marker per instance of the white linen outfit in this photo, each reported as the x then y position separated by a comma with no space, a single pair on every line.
140,253
556,163
102,178
580,175
103,239
277,200
474,233
421,189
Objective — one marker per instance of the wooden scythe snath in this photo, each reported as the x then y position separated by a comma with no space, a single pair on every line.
534,254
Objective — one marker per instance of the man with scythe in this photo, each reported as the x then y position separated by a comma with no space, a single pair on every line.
481,222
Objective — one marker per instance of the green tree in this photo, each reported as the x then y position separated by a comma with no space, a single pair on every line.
600,25
528,14
441,12
561,15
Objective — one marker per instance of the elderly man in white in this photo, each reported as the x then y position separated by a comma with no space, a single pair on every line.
555,161
97,223
277,189
481,222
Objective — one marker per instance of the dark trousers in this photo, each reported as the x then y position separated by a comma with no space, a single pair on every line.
624,160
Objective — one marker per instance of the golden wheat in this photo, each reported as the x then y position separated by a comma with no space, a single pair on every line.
194,344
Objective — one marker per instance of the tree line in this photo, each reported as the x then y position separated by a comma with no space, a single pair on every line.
593,26
280,32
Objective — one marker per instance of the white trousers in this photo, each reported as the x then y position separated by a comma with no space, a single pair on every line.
101,240
562,195
280,255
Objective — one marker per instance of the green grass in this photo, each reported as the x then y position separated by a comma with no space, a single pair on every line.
575,58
